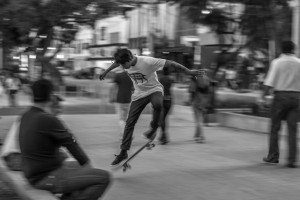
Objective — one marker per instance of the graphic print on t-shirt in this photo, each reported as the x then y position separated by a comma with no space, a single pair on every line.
138,78
144,77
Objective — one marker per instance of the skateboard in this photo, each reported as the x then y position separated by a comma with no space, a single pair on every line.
149,145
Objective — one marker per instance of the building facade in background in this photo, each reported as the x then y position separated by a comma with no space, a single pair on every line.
150,29
109,34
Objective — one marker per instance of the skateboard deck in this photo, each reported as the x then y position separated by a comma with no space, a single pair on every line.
149,145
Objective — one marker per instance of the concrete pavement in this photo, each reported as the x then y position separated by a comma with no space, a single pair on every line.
227,167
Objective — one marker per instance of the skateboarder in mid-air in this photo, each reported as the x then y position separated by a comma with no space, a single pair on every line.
147,89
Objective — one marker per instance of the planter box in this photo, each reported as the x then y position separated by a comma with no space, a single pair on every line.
248,122
186,113
244,122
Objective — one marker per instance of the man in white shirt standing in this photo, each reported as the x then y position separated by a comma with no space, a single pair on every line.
147,89
284,78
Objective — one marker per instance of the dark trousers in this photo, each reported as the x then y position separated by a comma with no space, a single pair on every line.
76,182
135,111
285,106
167,104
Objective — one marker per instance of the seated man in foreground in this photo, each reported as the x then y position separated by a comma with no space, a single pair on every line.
41,135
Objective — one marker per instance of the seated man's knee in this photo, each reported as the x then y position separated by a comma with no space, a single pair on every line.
105,177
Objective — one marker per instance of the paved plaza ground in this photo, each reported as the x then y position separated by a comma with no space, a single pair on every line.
227,167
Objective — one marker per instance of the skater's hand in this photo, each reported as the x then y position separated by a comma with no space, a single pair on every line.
197,73
193,72
102,76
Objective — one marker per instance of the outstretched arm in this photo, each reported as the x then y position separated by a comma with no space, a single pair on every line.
113,66
174,64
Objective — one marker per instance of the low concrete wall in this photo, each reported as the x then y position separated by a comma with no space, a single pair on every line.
244,122
186,113
248,122
97,89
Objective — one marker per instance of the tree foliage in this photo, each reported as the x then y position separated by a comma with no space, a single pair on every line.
35,24
19,18
267,20
260,21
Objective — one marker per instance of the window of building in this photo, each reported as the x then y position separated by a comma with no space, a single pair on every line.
78,47
114,37
102,52
85,45
102,33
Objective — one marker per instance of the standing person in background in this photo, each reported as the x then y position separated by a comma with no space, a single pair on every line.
147,89
230,77
41,135
2,90
199,91
260,78
12,84
167,81
124,87
284,78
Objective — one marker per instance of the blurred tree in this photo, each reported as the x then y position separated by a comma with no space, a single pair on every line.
262,21
265,21
35,24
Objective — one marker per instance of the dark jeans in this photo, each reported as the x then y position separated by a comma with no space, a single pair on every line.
135,111
76,182
167,104
285,106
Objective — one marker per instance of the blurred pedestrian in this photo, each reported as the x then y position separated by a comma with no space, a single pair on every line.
283,78
2,91
147,89
124,89
167,81
199,93
12,84
230,77
260,78
41,135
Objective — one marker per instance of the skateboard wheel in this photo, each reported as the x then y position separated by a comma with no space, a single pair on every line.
151,146
124,169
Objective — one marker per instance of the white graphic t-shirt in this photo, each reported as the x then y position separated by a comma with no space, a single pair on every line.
144,77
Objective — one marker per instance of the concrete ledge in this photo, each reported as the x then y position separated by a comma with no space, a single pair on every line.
186,113
248,122
244,122
19,184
